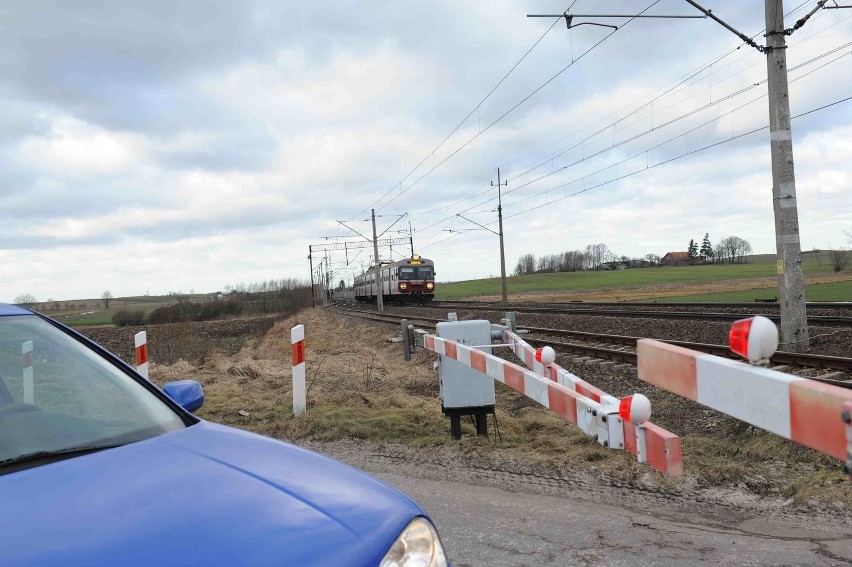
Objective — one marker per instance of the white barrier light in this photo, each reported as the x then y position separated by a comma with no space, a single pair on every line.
755,338
545,355
636,409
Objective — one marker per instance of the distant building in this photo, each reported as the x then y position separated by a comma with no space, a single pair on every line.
608,266
676,259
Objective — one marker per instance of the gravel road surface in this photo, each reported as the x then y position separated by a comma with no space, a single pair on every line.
511,514
483,525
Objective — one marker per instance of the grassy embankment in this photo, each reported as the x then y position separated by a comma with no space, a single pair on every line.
730,282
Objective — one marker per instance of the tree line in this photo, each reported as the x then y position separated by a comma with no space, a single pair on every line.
731,249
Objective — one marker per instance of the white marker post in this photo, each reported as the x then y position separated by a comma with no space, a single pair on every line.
141,339
27,360
297,339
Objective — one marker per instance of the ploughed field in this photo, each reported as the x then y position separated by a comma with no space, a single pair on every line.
365,404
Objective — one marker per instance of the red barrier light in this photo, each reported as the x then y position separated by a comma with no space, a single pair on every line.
738,337
755,338
636,409
545,355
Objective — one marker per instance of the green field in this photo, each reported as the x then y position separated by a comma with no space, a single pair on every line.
84,312
840,291
577,281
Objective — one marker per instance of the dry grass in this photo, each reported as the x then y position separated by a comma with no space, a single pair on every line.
359,387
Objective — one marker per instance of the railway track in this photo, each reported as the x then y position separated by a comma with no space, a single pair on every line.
622,349
814,320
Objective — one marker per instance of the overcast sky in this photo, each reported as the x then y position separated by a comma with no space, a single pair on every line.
173,146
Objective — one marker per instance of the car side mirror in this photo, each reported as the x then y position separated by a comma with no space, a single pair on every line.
188,394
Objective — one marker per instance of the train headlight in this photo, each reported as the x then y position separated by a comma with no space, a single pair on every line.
403,286
430,285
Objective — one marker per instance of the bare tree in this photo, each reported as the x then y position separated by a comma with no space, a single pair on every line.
733,249
26,300
106,297
526,265
839,259
653,259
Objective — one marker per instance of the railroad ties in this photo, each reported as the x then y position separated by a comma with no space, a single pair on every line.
619,351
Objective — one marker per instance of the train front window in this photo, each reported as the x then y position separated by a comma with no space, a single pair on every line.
406,273
424,273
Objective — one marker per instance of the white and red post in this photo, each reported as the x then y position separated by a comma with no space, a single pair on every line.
27,360
297,340
141,341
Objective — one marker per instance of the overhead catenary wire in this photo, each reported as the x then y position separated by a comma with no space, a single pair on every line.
704,148
510,110
459,125
638,107
609,166
689,153
664,162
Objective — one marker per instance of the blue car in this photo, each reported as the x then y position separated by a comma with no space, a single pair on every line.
100,467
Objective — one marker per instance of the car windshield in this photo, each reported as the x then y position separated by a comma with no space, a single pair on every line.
406,273
57,395
424,273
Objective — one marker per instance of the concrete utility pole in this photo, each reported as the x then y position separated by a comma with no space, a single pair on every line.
503,289
313,289
379,298
791,284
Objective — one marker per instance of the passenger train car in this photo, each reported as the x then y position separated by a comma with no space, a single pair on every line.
408,281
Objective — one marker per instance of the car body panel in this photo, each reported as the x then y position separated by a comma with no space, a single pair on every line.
207,495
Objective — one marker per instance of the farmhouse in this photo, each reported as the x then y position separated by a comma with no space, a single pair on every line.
675,259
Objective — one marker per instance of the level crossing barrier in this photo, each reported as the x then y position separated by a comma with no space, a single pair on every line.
615,423
802,410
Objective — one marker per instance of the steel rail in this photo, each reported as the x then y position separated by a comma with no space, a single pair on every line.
741,304
820,361
830,321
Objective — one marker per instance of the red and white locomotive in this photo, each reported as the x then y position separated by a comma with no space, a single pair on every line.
408,281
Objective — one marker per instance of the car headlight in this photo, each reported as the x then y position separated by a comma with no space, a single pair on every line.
403,286
417,546
430,285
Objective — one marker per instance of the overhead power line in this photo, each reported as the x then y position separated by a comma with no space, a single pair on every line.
676,158
637,107
679,135
459,125
512,109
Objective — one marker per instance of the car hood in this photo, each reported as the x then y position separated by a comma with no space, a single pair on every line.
206,495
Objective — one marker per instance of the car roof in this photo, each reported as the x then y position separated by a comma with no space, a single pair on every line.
6,310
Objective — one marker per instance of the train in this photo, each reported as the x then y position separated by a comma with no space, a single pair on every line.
411,280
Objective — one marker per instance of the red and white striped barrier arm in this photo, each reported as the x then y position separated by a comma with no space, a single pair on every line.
802,410
27,363
297,340
141,342
662,449
597,417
